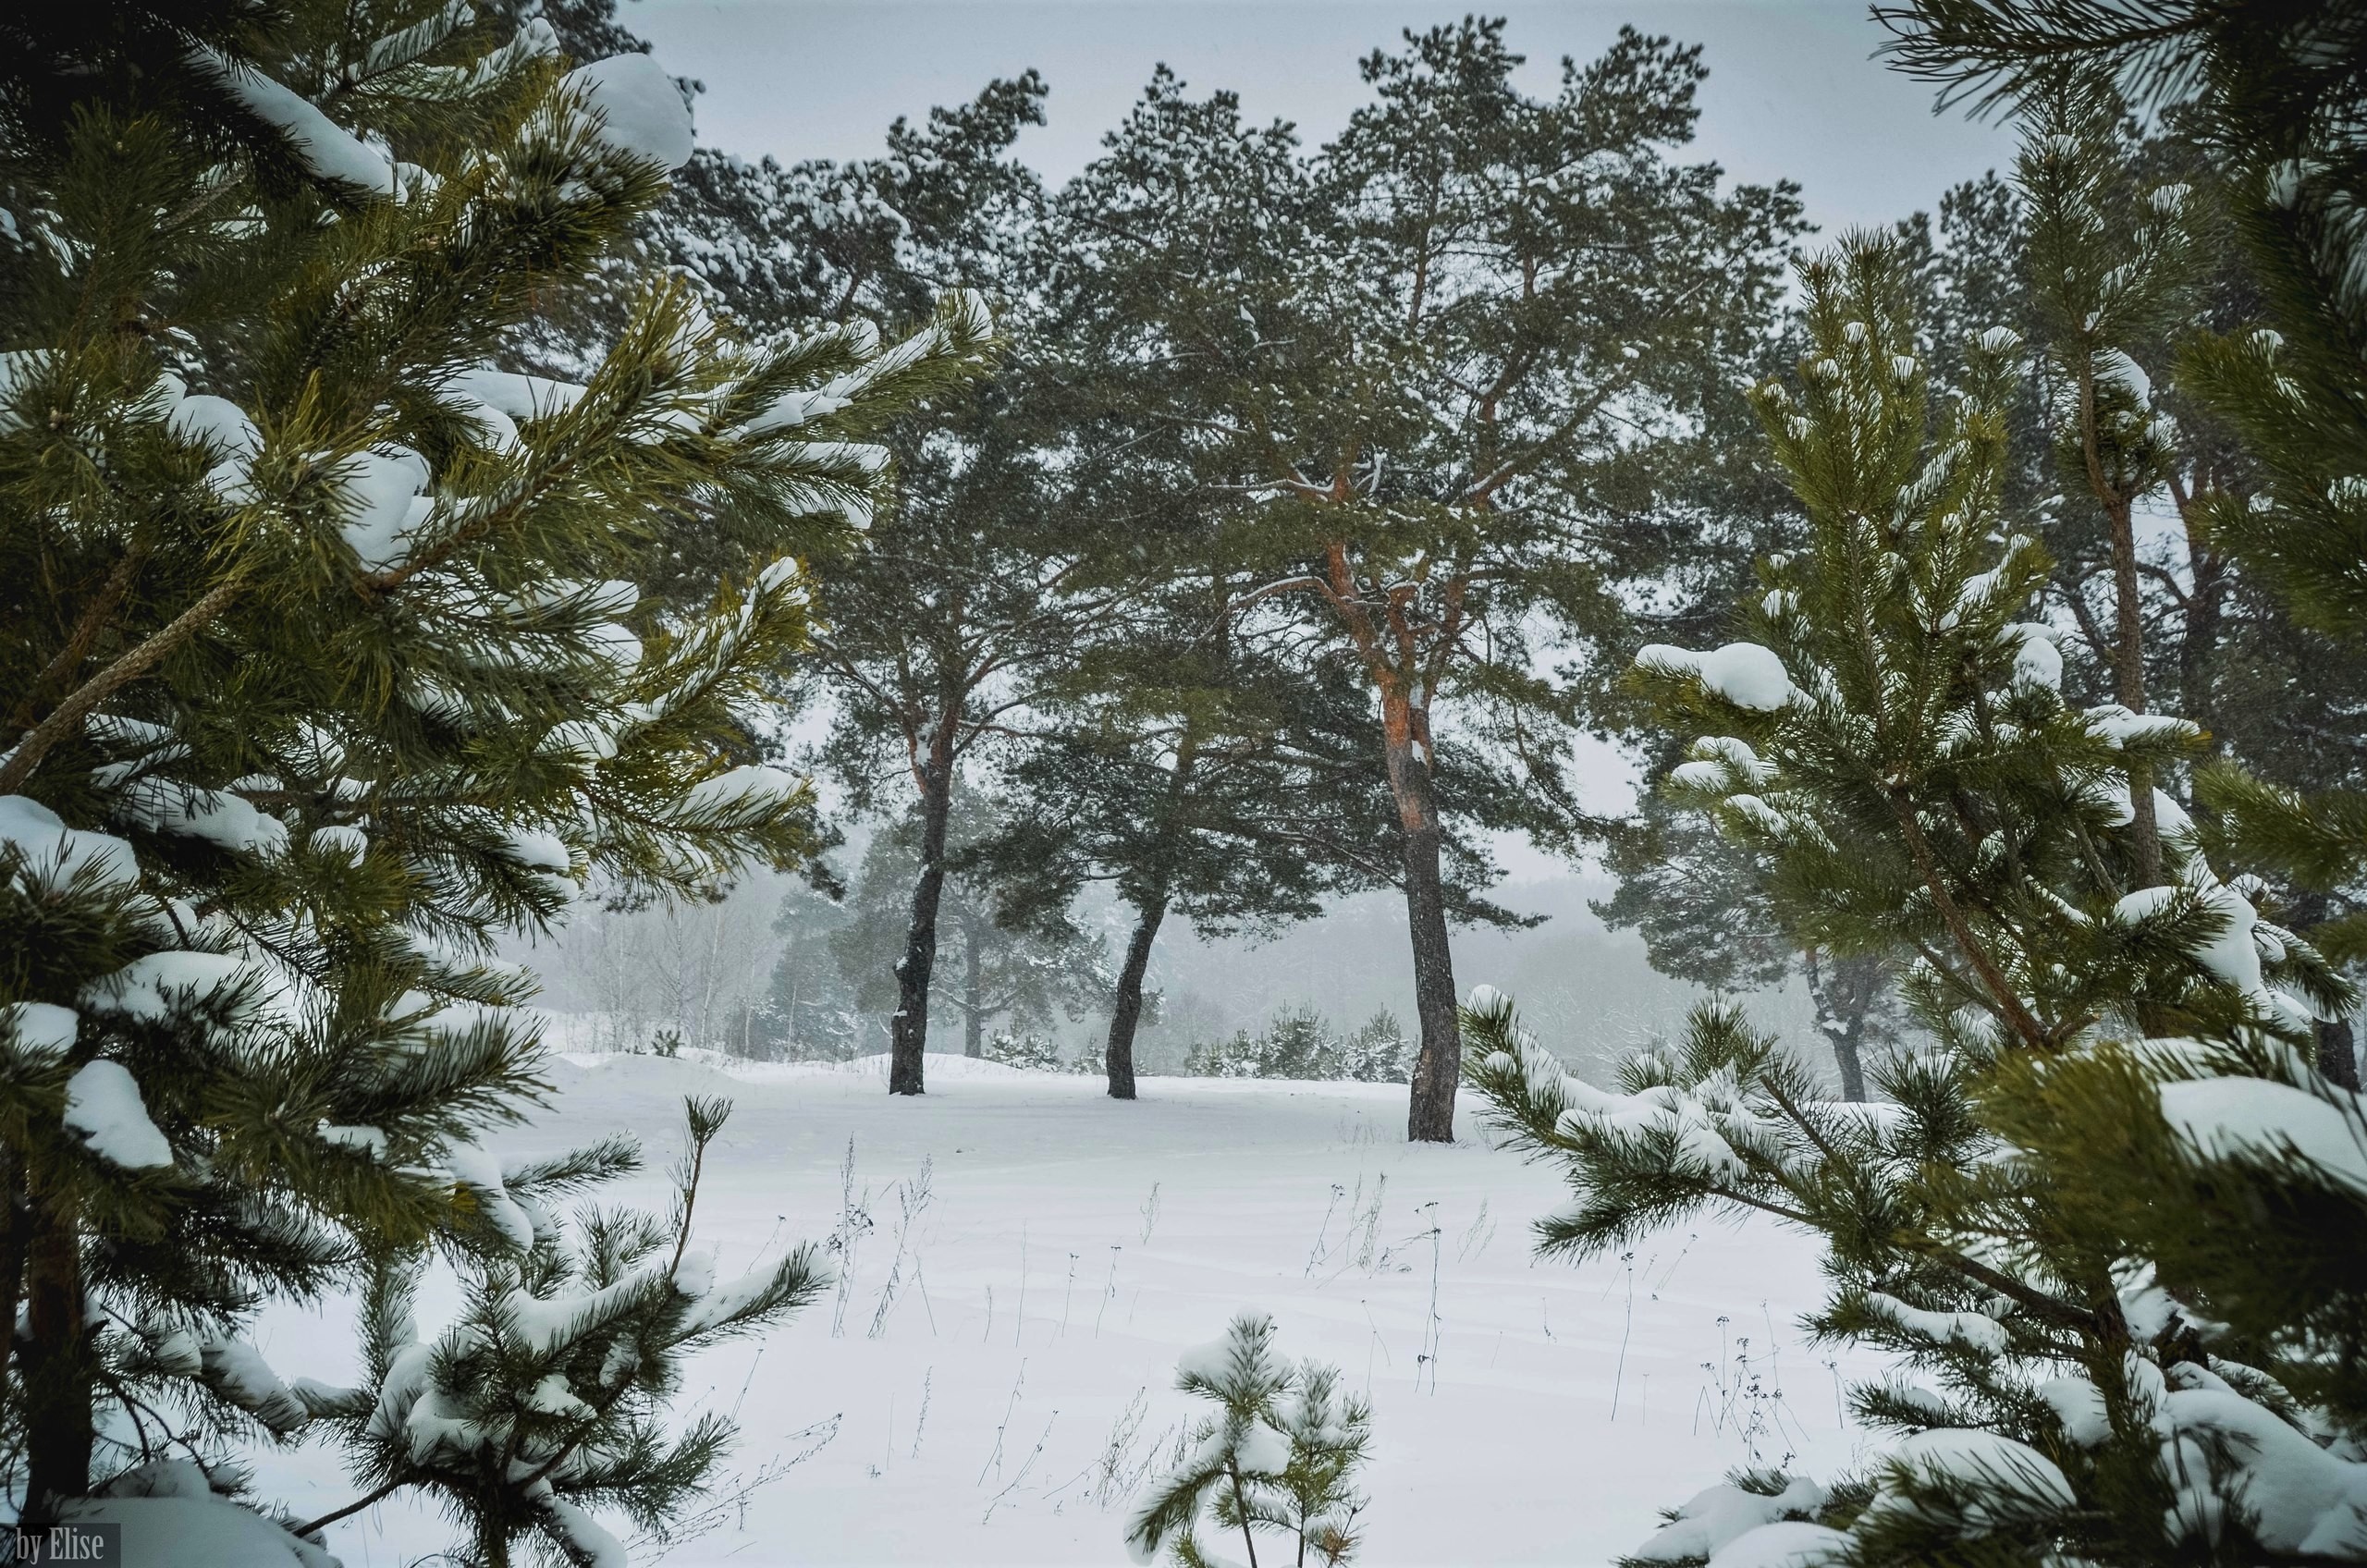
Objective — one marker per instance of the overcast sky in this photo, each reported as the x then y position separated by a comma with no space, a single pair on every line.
1793,90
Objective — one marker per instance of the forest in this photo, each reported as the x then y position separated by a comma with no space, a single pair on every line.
507,602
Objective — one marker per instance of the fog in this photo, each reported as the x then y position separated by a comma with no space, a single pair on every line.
615,980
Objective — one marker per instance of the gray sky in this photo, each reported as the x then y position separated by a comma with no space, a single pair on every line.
1792,91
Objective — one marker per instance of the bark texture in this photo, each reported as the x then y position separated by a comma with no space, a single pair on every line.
1438,1066
908,1031
55,1358
1126,1007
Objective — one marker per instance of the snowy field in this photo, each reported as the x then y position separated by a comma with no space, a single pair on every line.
998,1406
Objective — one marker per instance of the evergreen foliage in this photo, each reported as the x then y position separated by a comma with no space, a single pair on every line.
338,649
546,1396
1277,1455
2274,91
1699,901
2043,1219
1428,352
1300,1043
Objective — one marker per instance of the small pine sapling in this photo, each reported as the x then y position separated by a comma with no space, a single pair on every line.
1277,1455
547,1395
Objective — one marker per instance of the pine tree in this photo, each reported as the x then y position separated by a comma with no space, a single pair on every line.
938,637
2273,91
1276,1455
330,663
1189,756
2114,1214
1019,959
1408,348
1701,904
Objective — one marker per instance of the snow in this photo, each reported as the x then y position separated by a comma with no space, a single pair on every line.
153,986
327,148
2231,954
480,1172
1972,1330
638,109
1745,674
2080,1405
384,508
36,1029
1790,1543
2120,726
794,409
2037,661
2115,368
1736,753
592,1545
185,1532
755,787
2304,1501
2170,819
54,854
2009,1481
19,369
513,396
1210,1362
349,844
543,850
1532,1388
103,1104
1723,1514
217,424
239,1372
2259,1119
1262,1451
215,816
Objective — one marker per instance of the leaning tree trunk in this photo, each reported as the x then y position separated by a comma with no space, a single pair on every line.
1126,1010
908,1031
54,1355
1126,1007
1438,1064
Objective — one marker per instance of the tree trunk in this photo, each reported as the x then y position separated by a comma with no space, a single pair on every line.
1126,1010
908,1031
2338,1053
1438,1066
54,1355
972,998
1841,1021
2128,688
14,1234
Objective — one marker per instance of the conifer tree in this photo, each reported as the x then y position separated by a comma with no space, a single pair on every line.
1276,1456
1422,351
329,663
937,636
2274,91
1699,901
2114,1214
1009,956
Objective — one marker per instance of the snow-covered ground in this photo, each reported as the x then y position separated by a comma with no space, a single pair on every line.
995,1410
